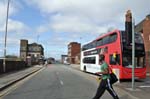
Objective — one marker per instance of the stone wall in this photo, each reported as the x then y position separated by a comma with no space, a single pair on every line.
12,65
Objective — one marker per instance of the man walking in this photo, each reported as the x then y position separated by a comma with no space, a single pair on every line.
105,82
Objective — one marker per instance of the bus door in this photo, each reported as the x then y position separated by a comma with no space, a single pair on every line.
115,62
114,59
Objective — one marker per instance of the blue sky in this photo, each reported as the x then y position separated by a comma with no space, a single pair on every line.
55,23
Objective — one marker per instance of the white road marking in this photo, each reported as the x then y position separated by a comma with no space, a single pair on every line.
57,73
144,86
61,82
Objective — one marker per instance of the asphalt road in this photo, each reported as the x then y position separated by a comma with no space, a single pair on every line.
57,82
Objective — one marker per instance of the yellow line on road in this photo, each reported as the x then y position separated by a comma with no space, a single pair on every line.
17,84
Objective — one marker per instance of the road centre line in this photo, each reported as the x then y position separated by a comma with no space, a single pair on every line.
61,82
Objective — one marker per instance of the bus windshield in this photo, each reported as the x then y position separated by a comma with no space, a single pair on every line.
139,61
138,38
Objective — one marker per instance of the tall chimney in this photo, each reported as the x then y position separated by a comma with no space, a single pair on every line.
128,27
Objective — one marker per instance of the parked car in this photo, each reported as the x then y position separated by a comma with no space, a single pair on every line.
66,63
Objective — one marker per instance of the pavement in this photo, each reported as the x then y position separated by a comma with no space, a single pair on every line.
140,89
8,79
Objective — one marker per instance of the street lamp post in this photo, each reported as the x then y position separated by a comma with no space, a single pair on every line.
133,53
4,61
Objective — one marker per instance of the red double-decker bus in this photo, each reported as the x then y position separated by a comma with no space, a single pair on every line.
118,54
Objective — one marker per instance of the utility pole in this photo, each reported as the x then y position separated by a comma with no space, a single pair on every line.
4,61
133,53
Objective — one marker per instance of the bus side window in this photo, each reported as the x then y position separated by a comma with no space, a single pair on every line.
114,60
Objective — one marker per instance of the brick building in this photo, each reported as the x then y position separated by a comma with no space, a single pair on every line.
144,28
73,52
77,58
33,51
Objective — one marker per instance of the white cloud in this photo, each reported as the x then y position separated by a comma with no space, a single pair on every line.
13,9
15,27
10,41
1,50
42,29
56,41
81,16
69,24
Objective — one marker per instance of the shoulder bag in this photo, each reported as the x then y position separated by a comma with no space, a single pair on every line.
113,78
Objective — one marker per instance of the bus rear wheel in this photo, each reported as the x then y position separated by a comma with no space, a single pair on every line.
84,69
